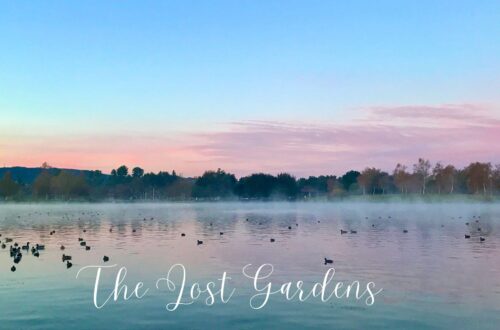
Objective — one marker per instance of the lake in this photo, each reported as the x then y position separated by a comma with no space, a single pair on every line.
431,275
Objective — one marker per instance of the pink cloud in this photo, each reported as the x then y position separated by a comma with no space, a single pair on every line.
382,137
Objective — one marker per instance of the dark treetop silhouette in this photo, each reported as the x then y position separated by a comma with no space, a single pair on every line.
47,183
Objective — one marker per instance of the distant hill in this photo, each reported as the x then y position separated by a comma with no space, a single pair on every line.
28,175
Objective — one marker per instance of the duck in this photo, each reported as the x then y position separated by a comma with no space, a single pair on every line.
13,268
343,232
33,250
85,230
482,239
182,235
65,258
68,264
328,261
354,231
18,258
8,240
133,230
272,240
80,239
4,246
289,227
467,236
405,231
83,243
36,254
199,242
479,229
221,233
40,247
26,247
466,223
87,248
105,258
62,247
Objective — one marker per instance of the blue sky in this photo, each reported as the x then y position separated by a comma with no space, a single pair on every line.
94,67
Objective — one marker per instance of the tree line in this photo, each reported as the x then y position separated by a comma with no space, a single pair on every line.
124,184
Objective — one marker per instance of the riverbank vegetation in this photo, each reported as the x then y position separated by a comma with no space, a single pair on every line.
422,179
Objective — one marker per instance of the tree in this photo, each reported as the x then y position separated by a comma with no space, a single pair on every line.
444,177
401,178
286,185
137,172
41,186
8,187
369,180
478,177
422,170
214,184
257,185
122,171
348,179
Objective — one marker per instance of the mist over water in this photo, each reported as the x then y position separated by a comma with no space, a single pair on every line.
432,277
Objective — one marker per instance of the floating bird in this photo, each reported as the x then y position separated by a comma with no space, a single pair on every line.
405,231
4,246
272,240
482,239
328,261
13,268
26,247
85,230
466,223
17,258
62,247
68,264
343,232
7,240
221,233
36,254
199,242
105,258
65,257
133,230
289,227
87,248
467,236
479,229
80,239
183,234
373,225
40,247
354,232
83,243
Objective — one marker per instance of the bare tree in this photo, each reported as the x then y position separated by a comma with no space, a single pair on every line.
422,170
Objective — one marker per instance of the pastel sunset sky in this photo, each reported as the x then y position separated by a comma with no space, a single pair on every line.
307,87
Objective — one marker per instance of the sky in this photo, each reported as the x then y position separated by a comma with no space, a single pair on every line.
307,87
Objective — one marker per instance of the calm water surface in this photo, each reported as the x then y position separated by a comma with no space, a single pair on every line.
432,277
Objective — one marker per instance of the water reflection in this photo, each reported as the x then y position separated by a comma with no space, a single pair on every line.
431,272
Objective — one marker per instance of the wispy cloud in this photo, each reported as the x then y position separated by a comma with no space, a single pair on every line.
381,136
